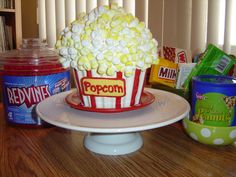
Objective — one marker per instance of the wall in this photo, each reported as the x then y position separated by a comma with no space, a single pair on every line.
29,18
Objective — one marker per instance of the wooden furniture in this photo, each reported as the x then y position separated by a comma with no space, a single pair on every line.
13,18
54,151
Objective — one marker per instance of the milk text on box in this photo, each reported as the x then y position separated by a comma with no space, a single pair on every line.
109,87
167,73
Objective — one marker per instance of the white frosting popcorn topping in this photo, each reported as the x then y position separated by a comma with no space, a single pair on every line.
109,40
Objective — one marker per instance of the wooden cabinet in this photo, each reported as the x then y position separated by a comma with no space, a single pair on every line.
13,19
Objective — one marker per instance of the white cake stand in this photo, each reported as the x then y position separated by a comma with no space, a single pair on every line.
114,133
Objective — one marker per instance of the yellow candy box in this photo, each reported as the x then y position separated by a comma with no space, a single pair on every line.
164,72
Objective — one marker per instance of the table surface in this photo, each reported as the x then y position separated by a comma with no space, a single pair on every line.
167,151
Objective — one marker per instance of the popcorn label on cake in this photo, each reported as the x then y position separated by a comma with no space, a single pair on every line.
108,87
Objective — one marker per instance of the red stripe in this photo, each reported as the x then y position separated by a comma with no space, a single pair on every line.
118,99
78,86
92,98
135,86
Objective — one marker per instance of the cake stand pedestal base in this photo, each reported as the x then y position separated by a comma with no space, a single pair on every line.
113,144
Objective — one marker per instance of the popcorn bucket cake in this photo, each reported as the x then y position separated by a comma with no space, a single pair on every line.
109,51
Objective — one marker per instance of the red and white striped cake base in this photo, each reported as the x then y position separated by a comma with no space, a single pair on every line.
134,86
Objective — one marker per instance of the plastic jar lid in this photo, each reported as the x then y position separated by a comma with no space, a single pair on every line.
215,80
33,58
